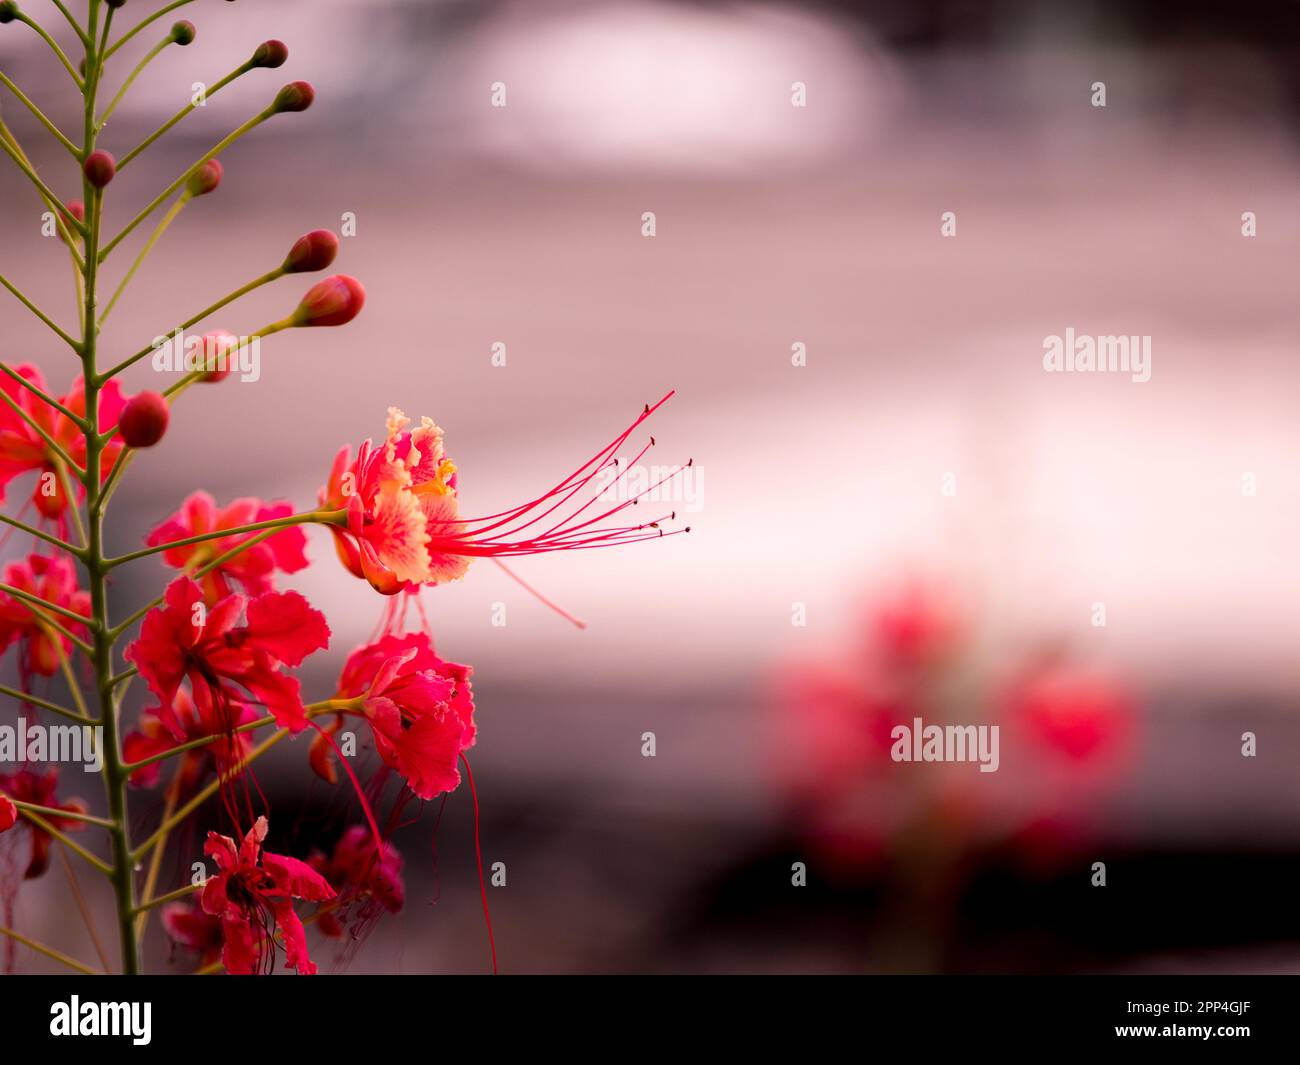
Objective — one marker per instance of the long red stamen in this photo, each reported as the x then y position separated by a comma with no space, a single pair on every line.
501,534
478,854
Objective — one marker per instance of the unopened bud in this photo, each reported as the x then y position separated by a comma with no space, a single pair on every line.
216,344
334,301
143,420
270,54
183,32
100,168
8,11
311,252
116,3
296,96
78,211
205,179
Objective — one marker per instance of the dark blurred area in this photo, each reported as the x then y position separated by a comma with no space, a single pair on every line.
823,491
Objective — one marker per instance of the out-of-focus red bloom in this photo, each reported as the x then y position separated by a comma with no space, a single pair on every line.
191,928
837,726
153,736
253,568
31,786
54,579
365,884
420,709
22,449
917,624
252,895
8,813
181,639
1085,716
404,526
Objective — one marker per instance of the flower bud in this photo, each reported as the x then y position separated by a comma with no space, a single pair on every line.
296,96
270,54
205,179
311,252
215,344
143,420
334,301
100,168
8,11
183,32
116,3
78,211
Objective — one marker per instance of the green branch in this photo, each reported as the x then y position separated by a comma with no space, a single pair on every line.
146,22
18,295
54,46
40,116
319,517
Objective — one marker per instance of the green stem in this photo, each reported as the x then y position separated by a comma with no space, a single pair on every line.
44,704
37,311
171,896
146,22
56,627
71,844
154,237
49,952
243,290
54,46
44,396
198,574
36,600
73,22
46,192
328,706
115,779
69,815
322,517
130,80
40,430
40,115
22,526
61,471
206,793
239,71
166,194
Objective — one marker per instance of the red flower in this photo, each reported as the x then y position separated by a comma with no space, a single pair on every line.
182,639
53,579
918,624
1085,716
365,886
253,567
420,709
253,896
187,925
22,449
404,525
8,814
28,785
154,736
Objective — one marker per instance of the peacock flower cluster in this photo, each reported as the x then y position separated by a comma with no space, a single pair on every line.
1067,733
186,691
39,436
403,524
44,637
